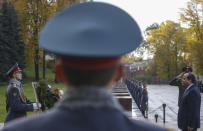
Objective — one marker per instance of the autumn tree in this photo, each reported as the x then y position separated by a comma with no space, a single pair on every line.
145,47
129,58
33,15
64,3
168,41
36,14
192,17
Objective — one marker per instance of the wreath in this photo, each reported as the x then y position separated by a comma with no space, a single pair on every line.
47,96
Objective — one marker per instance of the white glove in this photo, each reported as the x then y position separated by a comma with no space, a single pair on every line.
35,107
49,86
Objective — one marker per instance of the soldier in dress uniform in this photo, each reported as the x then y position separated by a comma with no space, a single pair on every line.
89,39
144,99
17,103
139,94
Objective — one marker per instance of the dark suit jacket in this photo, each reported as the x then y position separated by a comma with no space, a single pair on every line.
189,110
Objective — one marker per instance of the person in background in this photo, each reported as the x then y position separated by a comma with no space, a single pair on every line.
144,99
189,109
177,81
139,94
89,39
17,103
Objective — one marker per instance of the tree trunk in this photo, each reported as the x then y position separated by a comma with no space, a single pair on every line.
176,55
37,48
168,72
44,65
36,62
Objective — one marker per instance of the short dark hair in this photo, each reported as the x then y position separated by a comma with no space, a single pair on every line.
89,78
191,77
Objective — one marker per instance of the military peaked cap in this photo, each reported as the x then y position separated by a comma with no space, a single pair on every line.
187,69
13,69
91,29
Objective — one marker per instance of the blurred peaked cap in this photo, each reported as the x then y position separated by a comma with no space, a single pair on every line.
13,69
91,29
187,69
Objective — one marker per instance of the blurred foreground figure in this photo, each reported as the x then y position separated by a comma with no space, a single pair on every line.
17,103
89,39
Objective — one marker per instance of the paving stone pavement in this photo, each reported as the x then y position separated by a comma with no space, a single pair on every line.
1,125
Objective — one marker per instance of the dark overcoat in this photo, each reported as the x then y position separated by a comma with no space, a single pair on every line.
189,110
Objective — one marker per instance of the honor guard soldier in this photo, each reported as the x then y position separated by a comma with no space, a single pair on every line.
89,39
17,103
144,100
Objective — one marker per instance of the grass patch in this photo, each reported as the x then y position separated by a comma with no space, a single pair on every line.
30,74
3,102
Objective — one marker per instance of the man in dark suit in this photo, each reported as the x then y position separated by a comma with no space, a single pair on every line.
189,109
17,103
89,39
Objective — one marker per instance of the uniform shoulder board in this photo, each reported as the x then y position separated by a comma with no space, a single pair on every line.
14,85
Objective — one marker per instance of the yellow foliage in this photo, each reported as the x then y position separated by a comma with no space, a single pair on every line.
129,58
192,16
169,44
64,3
33,14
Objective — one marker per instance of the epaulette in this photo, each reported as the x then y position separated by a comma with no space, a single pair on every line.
20,93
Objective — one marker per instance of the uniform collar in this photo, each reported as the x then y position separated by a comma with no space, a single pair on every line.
94,97
15,81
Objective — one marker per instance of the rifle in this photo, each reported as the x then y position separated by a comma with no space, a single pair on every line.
147,109
34,85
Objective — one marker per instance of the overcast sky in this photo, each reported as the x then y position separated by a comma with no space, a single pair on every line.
146,12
